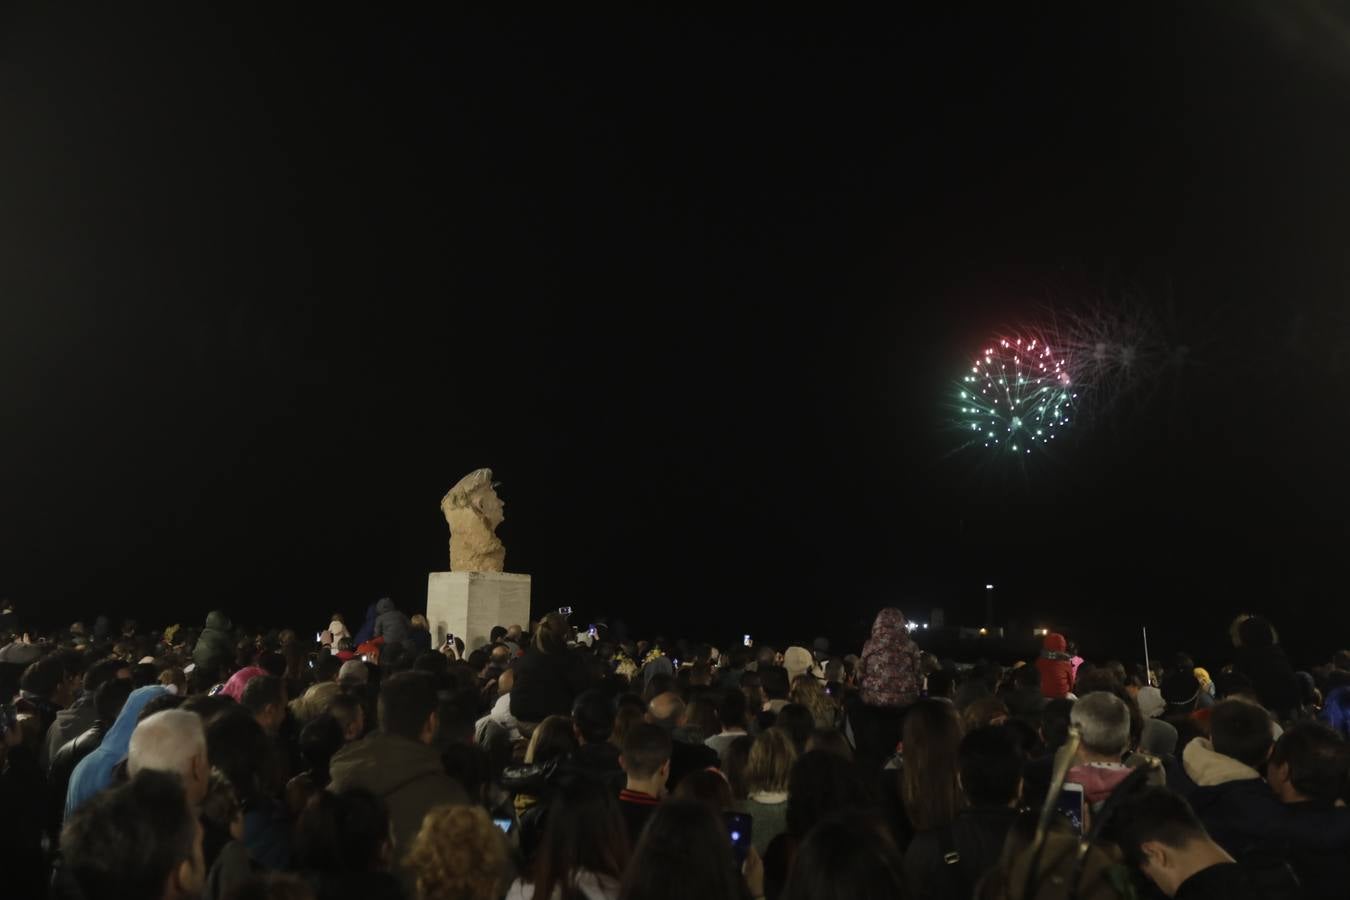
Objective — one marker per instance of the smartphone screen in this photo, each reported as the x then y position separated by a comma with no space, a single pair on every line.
318,637
1071,804
746,640
503,824
740,828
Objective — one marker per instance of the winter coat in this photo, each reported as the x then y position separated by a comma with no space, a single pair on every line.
1316,840
1272,676
975,839
70,723
215,645
546,684
95,771
391,624
406,774
1237,807
1056,668
889,668
367,629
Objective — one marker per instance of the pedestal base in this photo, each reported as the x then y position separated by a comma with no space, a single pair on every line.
469,604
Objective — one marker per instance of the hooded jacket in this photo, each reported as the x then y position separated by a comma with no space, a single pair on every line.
215,647
95,771
1316,840
1237,807
406,774
889,666
391,624
1056,668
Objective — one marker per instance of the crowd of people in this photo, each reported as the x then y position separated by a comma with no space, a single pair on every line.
231,764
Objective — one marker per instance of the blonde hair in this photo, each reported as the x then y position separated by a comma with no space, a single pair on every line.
458,855
771,759
806,690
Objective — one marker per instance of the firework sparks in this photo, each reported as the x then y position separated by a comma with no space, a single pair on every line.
1017,395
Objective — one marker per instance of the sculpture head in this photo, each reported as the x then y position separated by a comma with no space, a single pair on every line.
477,492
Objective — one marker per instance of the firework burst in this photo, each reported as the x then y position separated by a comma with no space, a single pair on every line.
1017,396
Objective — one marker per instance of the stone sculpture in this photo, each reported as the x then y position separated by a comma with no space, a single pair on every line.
473,511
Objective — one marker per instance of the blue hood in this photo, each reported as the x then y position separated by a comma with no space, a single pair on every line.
94,772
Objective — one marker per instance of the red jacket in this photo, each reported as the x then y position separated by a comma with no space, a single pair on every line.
1055,667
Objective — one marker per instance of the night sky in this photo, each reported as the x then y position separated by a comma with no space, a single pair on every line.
696,289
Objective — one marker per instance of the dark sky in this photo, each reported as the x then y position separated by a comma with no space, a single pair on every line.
696,289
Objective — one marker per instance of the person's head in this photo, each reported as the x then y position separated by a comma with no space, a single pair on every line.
584,831
1158,832
407,707
239,748
770,765
684,852
1241,731
265,697
110,698
731,711
497,633
353,671
419,622
645,755
942,685
798,722
46,679
552,739
320,739
774,680
984,712
220,808
139,839
990,763
513,633
706,786
105,670
822,783
350,715
172,741
551,636
1027,678
849,856
593,717
1103,719
666,711
1309,762
458,855
929,784
830,740
346,832
700,714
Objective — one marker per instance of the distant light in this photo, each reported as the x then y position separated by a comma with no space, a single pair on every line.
925,625
984,631
988,587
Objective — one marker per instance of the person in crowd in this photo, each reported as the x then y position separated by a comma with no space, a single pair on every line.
736,763
1103,720
848,856
667,711
419,634
1158,832
350,715
776,685
265,698
214,650
829,740
584,850
889,681
1055,667
390,623
137,840
551,741
237,746
224,855
548,677
596,757
685,852
343,847
646,761
337,629
320,740
700,718
708,786
731,715
1026,697
946,863
80,715
95,771
798,661
367,629
458,854
1259,656
983,713
820,785
398,764
809,692
172,741
767,776
46,688
930,791
1307,772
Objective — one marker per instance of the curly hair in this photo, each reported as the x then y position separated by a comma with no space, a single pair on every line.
809,693
458,855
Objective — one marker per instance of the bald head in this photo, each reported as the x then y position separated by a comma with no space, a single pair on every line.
666,710
506,681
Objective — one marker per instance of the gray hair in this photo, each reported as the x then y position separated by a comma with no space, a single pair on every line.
167,741
354,670
1104,721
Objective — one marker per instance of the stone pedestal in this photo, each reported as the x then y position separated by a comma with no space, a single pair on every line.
468,604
